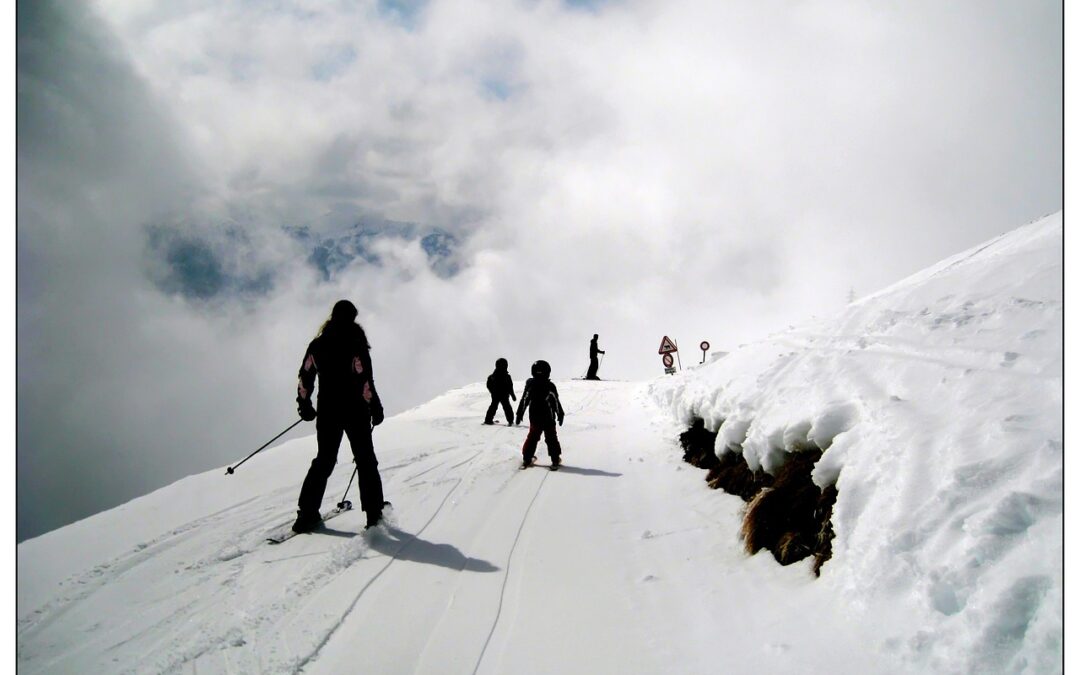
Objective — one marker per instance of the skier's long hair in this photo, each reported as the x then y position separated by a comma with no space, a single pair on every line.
343,319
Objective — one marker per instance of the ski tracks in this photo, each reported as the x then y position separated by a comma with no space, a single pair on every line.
436,629
203,590
103,576
317,605
506,575
328,612
212,597
405,543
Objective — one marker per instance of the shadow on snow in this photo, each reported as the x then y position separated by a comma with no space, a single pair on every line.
405,546
563,468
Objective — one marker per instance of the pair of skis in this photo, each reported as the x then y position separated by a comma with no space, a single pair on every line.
526,465
285,532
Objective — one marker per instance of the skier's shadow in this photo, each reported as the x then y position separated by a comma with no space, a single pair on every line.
402,545
565,468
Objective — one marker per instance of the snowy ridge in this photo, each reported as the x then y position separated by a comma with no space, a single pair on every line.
938,404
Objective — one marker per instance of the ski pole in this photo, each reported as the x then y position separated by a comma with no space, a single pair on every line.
345,503
237,466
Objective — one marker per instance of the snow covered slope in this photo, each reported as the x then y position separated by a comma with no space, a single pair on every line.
620,562
939,403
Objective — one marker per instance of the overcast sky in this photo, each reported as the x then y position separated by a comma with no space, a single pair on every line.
630,168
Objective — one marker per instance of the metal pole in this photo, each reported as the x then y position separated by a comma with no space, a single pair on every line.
234,468
345,503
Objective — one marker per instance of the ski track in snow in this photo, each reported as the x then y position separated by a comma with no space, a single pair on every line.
506,576
334,628
219,565
210,595
93,581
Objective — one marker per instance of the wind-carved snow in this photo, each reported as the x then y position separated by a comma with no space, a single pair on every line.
937,405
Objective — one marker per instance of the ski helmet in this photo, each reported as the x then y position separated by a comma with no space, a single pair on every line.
541,369
501,364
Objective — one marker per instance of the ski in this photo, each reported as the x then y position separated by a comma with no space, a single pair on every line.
285,532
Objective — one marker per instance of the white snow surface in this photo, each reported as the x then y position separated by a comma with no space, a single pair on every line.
937,402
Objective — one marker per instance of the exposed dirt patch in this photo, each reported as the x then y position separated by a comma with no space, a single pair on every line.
786,513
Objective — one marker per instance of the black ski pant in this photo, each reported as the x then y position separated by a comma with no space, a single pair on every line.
532,439
594,365
505,401
328,430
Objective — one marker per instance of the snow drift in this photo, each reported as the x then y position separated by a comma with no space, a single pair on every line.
938,403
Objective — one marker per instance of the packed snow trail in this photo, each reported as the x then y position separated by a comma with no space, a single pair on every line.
621,562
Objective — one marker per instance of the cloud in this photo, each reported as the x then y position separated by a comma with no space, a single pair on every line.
199,182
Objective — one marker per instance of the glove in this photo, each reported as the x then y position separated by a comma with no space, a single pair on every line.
376,416
518,420
306,410
560,420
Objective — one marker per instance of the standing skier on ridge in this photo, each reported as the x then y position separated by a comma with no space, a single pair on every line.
349,404
542,399
594,365
501,386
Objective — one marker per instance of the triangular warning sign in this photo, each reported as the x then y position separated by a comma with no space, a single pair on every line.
667,346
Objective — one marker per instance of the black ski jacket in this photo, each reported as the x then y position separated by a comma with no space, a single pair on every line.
542,399
342,362
500,384
594,349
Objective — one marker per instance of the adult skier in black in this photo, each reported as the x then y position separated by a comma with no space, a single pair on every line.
594,365
542,400
501,386
348,403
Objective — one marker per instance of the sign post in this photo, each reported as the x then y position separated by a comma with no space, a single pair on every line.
667,348
704,349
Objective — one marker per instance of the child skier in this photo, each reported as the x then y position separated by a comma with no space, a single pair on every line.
542,399
501,386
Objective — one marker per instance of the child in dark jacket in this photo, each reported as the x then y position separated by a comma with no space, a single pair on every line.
542,399
501,386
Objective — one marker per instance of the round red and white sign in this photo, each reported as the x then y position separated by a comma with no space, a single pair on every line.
668,360
705,345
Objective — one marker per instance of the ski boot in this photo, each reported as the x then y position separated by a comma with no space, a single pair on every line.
306,522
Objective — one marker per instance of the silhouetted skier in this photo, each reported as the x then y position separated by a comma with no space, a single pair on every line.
349,404
542,399
501,386
594,365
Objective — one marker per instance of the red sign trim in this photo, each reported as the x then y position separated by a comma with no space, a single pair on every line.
667,346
